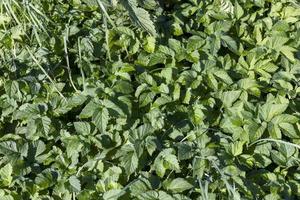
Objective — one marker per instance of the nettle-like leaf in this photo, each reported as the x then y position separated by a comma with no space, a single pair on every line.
164,161
75,184
139,16
129,159
100,119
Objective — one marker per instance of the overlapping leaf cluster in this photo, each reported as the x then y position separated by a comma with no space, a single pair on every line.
184,99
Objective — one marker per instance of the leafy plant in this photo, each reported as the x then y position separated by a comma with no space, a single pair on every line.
145,99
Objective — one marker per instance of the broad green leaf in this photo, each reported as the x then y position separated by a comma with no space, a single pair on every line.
151,144
6,175
146,98
274,131
285,118
229,97
289,130
46,179
75,184
113,194
100,119
195,43
255,131
238,10
268,111
139,16
237,148
123,87
157,58
199,166
221,74
88,110
12,89
73,145
150,44
159,167
83,128
43,125
230,43
170,161
188,96
215,44
129,159
162,100
76,100
176,29
198,115
185,151
288,52
178,185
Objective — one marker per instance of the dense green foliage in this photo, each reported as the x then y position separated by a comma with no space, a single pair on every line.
149,99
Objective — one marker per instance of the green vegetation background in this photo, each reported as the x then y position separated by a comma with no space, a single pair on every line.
146,99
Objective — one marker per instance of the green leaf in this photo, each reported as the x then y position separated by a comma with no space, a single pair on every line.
255,131
100,119
185,151
274,131
6,175
76,100
43,125
83,128
215,44
289,130
237,148
188,96
123,87
46,179
238,10
146,98
285,118
176,92
113,194
170,160
165,160
88,110
75,184
151,144
159,167
12,89
230,43
139,16
178,185
268,110
9,148
150,44
129,159
157,58
198,115
288,52
164,99
199,166
195,43
229,97
221,74
73,145
139,187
